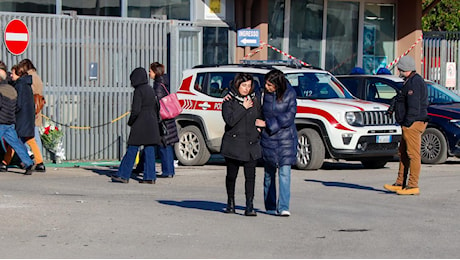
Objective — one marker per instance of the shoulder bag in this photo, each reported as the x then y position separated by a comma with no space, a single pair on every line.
169,105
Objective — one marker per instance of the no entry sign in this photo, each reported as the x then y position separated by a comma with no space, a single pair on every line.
16,36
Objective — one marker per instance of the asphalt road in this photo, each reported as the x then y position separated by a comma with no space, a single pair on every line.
340,211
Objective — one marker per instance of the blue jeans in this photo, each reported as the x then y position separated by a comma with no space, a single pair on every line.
127,163
38,139
8,133
270,187
167,160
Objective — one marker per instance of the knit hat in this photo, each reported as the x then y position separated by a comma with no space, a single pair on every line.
406,63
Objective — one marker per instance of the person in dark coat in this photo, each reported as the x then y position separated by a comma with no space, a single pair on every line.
241,140
144,129
412,114
279,140
170,137
25,114
8,100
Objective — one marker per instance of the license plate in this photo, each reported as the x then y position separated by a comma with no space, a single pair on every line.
382,139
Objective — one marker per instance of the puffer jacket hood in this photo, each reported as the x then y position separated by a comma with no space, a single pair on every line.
138,77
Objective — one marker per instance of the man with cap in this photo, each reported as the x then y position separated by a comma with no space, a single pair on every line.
411,113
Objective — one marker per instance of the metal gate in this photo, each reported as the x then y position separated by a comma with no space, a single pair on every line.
92,110
438,49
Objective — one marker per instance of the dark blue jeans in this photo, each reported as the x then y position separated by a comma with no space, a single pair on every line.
167,160
8,133
128,160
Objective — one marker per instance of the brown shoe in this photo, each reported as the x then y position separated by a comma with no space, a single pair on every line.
147,182
116,178
408,191
393,187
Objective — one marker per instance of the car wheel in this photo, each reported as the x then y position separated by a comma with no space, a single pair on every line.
310,150
434,147
191,148
375,163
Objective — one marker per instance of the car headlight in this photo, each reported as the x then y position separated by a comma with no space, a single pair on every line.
455,122
354,118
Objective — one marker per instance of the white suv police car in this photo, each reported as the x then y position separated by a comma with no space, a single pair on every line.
331,123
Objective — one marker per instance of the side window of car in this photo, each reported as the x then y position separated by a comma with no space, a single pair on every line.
352,85
379,91
199,82
219,83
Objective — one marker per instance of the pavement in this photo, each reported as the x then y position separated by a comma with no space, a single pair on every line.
339,211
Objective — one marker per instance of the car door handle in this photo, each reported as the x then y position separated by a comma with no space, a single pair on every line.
204,105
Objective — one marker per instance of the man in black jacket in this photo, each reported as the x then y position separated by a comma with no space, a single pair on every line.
8,96
411,113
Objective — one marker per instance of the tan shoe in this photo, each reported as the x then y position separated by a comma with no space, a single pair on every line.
392,187
408,191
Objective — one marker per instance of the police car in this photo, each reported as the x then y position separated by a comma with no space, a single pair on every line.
331,123
441,138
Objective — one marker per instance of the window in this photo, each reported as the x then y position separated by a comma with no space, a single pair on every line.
173,9
378,36
218,83
379,91
28,6
215,45
275,27
306,30
93,7
316,86
341,36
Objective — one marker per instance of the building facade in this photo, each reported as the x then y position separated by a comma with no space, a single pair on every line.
333,34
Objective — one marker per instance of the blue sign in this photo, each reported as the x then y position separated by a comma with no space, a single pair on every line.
249,37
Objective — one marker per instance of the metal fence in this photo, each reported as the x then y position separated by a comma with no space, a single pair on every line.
440,48
92,111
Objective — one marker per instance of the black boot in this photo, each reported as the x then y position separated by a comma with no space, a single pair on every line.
230,205
250,208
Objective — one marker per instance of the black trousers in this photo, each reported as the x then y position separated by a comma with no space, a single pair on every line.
249,175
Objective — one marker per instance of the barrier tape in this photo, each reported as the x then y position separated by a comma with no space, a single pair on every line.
263,44
389,66
85,127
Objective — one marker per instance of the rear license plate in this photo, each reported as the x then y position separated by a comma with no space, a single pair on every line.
382,139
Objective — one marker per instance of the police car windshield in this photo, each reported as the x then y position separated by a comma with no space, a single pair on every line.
317,86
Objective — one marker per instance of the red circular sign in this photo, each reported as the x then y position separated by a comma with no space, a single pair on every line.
16,36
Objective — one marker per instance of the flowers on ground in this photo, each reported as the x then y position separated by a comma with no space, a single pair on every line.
51,137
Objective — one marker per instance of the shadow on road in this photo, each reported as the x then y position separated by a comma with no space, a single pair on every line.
346,185
198,204
108,172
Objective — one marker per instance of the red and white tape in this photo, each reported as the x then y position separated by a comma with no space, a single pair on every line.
389,66
263,44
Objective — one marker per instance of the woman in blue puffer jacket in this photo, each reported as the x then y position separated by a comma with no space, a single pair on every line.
279,140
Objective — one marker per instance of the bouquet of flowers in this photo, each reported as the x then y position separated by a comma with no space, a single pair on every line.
52,139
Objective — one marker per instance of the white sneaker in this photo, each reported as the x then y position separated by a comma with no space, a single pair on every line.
285,213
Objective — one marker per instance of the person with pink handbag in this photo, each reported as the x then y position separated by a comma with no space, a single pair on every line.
169,136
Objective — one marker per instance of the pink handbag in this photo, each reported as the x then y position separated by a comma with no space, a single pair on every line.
169,105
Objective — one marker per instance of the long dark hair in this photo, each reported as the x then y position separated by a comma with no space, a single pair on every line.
276,77
240,78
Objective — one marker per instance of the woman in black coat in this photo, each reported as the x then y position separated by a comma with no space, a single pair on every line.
161,88
241,140
144,129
